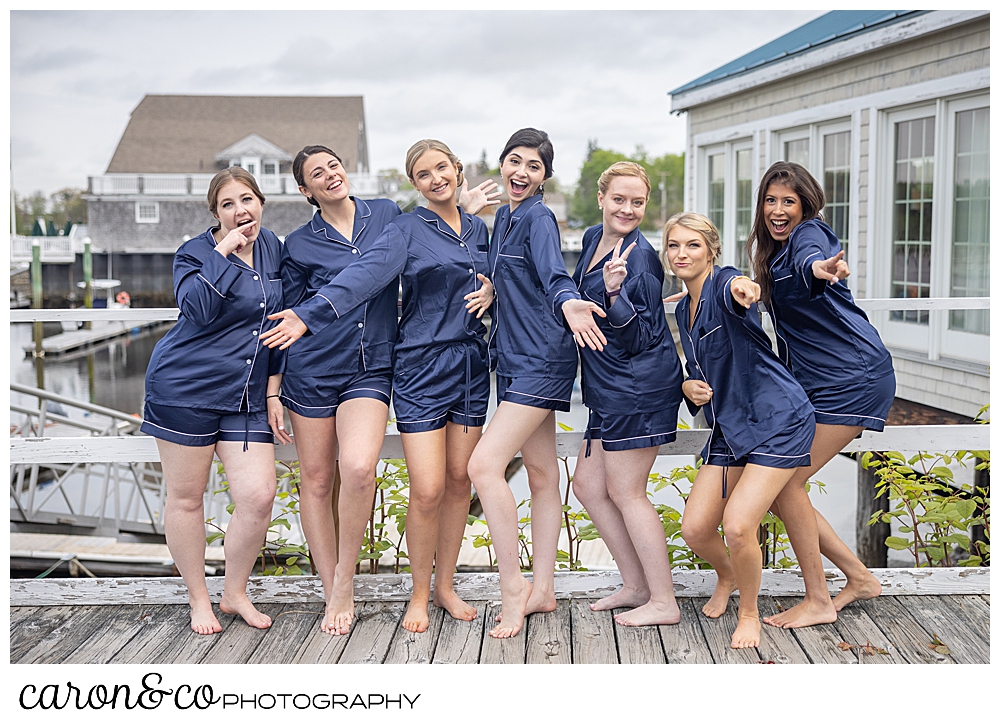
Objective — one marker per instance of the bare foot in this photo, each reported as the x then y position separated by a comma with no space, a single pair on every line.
203,620
868,587
515,603
654,613
747,633
622,598
538,602
806,613
416,619
716,605
241,605
455,606
340,608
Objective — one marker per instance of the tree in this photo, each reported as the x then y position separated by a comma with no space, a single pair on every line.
66,206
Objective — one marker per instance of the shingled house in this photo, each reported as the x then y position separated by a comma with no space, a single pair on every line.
890,111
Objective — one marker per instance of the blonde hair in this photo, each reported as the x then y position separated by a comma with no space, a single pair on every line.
419,148
233,173
623,168
697,223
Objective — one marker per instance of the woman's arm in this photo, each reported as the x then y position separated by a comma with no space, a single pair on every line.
275,410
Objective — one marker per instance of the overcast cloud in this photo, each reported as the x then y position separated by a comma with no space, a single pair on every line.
468,78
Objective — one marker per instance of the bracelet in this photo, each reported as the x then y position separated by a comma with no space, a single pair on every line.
268,397
614,293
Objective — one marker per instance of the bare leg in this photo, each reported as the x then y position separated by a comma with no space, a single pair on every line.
861,584
700,529
539,452
591,489
425,462
252,486
510,427
316,442
627,473
360,431
453,518
185,470
748,503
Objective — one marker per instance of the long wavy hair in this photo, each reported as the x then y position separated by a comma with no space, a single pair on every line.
761,246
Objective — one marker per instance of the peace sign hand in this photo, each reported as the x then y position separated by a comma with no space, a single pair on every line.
833,269
616,268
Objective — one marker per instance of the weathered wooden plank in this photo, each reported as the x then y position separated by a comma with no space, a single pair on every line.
953,627
163,627
470,586
501,651
66,636
289,628
116,633
417,648
639,644
188,647
719,635
320,647
593,634
31,624
238,640
549,636
685,643
459,642
777,644
907,636
857,628
373,629
819,642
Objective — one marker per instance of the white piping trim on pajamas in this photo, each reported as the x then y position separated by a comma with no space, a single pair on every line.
211,285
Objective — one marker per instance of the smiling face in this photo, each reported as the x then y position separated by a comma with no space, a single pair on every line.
782,211
237,205
624,204
688,253
523,172
325,179
436,177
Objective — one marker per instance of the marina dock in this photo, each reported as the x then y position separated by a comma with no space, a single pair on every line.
924,616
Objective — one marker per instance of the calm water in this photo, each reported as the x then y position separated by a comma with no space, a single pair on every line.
116,379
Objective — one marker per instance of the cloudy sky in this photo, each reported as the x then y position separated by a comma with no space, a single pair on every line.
468,78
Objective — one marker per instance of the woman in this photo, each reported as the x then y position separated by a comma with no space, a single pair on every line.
535,374
338,378
833,351
633,390
205,393
762,422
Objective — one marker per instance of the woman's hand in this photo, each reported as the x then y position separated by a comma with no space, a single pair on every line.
833,269
616,268
289,329
675,297
579,316
481,299
697,391
276,419
475,200
235,240
745,291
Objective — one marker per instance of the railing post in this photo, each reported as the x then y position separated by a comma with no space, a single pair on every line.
88,277
36,303
870,539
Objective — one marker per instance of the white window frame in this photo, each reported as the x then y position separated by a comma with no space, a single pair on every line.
933,339
728,151
140,219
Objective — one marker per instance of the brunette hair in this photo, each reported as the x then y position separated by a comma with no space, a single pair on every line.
233,173
419,148
538,140
300,160
623,168
697,223
761,246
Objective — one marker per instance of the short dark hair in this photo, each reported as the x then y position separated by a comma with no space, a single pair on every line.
300,160
532,138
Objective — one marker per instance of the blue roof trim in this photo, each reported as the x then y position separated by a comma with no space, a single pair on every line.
828,28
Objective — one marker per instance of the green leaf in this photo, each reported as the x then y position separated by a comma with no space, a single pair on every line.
230,508
897,544
966,508
212,537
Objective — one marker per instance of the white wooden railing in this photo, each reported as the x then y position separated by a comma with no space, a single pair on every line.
196,184
54,249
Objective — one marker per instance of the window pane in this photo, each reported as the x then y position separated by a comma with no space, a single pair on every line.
836,185
717,189
744,208
970,274
797,152
913,203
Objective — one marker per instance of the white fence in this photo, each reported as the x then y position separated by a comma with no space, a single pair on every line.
195,184
54,249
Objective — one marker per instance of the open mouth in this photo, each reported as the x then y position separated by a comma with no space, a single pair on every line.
439,189
245,222
335,185
517,187
779,226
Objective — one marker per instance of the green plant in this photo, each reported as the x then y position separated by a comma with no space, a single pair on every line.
391,505
930,508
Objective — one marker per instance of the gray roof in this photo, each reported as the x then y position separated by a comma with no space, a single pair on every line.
184,134
828,28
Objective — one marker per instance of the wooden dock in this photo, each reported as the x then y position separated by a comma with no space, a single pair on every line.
919,619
